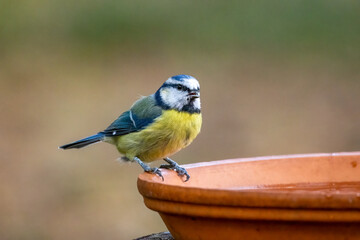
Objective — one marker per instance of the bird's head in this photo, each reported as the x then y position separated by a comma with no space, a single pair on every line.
180,92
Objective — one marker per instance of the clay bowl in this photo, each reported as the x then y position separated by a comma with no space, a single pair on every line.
315,196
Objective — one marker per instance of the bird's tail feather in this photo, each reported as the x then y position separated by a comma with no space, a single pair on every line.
83,142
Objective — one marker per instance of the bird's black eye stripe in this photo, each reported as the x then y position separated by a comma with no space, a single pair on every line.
182,87
177,86
185,89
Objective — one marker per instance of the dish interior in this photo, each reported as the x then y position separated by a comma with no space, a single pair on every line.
325,173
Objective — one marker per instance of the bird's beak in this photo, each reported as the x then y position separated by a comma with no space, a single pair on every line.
194,94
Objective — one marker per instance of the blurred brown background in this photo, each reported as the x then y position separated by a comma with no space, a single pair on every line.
277,77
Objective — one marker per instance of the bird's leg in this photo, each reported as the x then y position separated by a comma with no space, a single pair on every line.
174,166
148,169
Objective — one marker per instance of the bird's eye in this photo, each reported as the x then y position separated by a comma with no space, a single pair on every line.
179,87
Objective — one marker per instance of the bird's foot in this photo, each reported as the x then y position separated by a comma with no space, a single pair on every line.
155,171
149,169
174,166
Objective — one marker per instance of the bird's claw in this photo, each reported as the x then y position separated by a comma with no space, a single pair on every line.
148,169
180,170
155,171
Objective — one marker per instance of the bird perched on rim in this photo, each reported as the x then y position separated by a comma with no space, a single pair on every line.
156,126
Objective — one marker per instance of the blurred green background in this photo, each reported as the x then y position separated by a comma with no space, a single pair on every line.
277,77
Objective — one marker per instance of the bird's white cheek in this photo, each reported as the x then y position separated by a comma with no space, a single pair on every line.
173,98
197,103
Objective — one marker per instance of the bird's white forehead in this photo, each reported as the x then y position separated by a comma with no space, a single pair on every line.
189,82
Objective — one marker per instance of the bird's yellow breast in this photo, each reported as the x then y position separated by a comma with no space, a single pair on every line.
169,133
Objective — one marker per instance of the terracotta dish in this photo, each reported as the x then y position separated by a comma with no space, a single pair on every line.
315,196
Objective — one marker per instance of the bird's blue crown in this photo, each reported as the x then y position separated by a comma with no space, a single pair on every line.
181,77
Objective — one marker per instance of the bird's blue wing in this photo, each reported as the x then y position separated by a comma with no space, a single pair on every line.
143,113
127,123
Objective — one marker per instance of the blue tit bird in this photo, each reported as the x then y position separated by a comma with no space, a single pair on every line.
156,126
